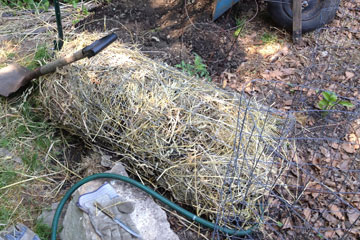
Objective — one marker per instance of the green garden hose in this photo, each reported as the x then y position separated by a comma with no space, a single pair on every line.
147,190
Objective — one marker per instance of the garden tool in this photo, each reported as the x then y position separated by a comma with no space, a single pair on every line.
18,232
14,76
109,215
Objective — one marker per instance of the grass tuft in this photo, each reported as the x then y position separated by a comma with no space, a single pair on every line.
268,38
41,55
42,230
5,215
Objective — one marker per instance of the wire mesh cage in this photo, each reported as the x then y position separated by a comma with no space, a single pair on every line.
312,188
314,191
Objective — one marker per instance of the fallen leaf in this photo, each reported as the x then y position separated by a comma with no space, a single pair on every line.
330,218
315,190
349,75
344,156
325,152
339,232
307,213
353,215
348,147
301,118
276,74
352,138
335,210
288,71
288,102
329,234
334,145
355,230
287,223
310,92
330,183
358,132
344,165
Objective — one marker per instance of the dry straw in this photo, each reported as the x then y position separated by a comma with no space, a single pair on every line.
174,131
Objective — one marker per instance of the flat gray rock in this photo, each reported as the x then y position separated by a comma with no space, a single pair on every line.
149,218
47,214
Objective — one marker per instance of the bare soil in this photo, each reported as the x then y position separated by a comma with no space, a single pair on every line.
172,31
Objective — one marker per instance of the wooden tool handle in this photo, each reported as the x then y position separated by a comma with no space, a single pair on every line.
88,51
51,67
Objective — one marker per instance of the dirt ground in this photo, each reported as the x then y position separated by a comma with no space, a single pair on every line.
172,31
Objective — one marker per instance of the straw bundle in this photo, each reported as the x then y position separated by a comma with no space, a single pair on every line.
175,131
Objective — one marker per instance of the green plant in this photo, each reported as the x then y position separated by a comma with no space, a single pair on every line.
42,230
5,215
198,68
85,11
240,24
30,159
27,4
4,142
73,2
330,100
10,55
280,224
37,4
41,55
6,178
268,38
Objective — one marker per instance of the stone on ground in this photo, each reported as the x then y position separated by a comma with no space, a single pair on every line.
149,218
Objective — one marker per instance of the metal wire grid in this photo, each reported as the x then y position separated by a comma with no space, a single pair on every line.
312,177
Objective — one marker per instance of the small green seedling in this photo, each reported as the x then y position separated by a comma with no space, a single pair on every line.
198,69
240,24
268,38
330,100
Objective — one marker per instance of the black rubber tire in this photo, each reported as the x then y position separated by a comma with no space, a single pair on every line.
315,15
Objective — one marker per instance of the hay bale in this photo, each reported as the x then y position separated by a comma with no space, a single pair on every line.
174,131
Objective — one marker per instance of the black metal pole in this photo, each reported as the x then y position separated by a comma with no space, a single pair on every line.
58,44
